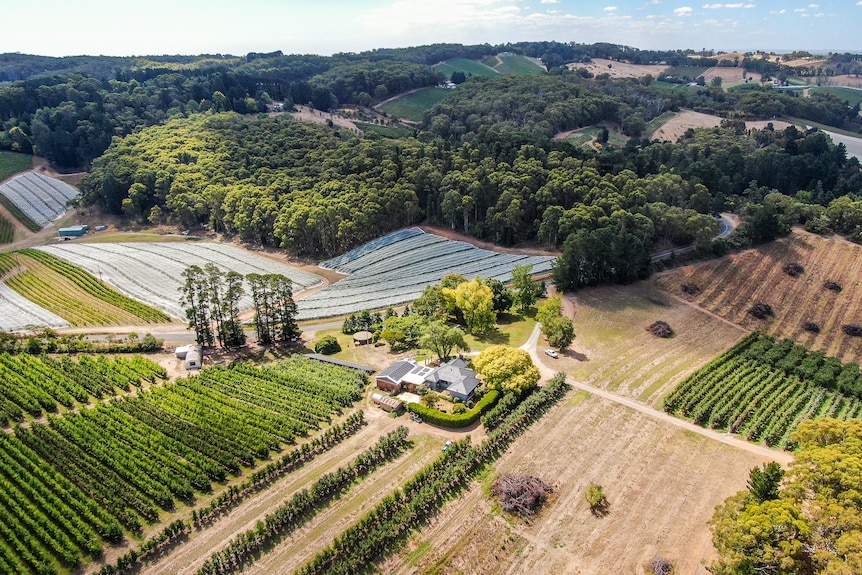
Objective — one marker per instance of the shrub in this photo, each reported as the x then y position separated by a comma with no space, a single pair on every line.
327,345
465,419
660,329
691,289
834,286
852,330
761,310
811,326
521,494
793,269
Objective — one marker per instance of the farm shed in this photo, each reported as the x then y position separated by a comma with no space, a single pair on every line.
362,338
194,357
182,350
73,231
387,403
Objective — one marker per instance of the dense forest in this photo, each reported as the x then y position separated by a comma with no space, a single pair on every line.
68,109
182,140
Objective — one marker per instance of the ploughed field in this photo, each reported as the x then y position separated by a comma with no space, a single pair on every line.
730,286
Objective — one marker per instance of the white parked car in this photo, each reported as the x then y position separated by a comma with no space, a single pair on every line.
552,353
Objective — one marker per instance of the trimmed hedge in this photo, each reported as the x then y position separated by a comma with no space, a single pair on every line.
455,420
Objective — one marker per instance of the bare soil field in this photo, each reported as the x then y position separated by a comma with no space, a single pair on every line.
662,485
613,349
729,76
732,284
619,69
306,114
674,128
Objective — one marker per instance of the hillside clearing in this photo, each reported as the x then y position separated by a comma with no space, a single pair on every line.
613,349
619,69
731,285
412,105
469,67
676,127
662,485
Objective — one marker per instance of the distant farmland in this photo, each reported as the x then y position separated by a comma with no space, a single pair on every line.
512,64
469,67
411,106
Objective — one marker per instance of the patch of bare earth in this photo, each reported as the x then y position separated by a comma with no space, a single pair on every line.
662,485
613,349
306,114
619,69
846,80
731,285
677,126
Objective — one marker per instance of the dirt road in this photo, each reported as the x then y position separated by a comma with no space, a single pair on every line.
782,457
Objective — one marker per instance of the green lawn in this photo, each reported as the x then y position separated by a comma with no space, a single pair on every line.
849,95
11,163
511,329
411,106
469,67
518,65
394,132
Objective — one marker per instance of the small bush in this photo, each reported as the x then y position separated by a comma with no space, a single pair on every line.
327,345
521,494
691,289
811,326
761,310
852,330
660,329
793,269
834,286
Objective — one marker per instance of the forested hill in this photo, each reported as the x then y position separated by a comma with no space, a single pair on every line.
319,192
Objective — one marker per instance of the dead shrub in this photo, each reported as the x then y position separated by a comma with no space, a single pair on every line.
761,310
793,269
811,326
521,494
691,289
852,329
660,329
834,286
660,566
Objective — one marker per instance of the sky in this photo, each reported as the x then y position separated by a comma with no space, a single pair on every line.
155,27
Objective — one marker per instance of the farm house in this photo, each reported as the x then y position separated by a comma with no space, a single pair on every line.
454,377
73,231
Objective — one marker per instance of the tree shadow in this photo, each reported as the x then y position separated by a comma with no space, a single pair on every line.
576,355
494,336
601,509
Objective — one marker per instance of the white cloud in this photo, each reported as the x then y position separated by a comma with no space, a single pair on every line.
814,6
735,5
610,8
550,1
683,11
799,10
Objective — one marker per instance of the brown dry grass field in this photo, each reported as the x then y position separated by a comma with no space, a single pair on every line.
732,284
619,69
613,349
674,128
662,485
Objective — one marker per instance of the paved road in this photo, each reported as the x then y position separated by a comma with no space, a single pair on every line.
853,145
726,224
782,457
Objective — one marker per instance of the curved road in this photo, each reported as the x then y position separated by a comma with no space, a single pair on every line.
781,457
726,225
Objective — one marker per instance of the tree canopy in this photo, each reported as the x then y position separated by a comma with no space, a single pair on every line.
810,524
506,368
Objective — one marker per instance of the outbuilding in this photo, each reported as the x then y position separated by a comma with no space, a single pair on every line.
194,357
73,231
362,338
387,403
